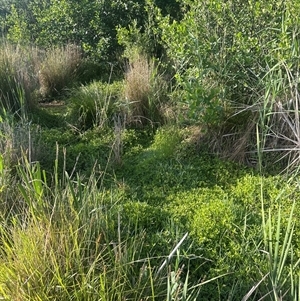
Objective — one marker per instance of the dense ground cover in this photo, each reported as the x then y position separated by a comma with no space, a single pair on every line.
103,227
156,159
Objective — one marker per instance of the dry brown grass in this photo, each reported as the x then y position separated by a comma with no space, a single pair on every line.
283,136
143,90
242,148
138,86
20,139
18,76
58,70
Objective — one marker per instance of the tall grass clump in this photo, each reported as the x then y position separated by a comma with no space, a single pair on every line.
59,70
279,123
94,105
283,264
144,90
18,139
18,68
278,129
275,109
277,245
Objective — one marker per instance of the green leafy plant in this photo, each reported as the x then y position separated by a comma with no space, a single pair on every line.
73,241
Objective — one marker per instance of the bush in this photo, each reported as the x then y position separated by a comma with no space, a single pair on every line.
230,73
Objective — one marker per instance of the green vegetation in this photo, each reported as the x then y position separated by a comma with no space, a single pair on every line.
149,150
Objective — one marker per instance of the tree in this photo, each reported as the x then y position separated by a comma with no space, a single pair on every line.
91,24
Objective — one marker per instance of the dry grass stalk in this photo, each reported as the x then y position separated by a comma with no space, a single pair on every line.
283,136
58,70
240,151
18,75
138,87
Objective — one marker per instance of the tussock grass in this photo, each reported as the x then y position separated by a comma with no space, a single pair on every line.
280,123
144,90
95,104
59,70
138,85
28,73
18,78
18,139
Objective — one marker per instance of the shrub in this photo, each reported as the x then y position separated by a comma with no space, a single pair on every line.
229,73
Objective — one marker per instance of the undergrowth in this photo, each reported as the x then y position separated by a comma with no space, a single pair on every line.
156,187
